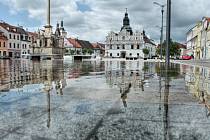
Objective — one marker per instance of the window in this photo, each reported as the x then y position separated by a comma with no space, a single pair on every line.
14,45
10,36
4,44
26,38
10,45
118,47
130,54
118,54
18,46
123,47
123,38
0,53
4,53
111,54
138,46
18,37
21,37
23,46
137,54
110,47
40,43
132,47
13,36
0,44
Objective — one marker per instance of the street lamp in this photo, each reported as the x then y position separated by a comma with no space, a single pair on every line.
161,38
168,33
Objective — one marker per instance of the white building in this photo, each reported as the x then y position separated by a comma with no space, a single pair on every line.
126,44
26,44
150,45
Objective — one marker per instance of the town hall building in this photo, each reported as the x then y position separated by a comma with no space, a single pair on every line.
127,44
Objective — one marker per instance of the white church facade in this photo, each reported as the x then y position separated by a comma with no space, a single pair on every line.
127,44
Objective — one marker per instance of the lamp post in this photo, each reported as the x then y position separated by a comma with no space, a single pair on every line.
161,38
168,33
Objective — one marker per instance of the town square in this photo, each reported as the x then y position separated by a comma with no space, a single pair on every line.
104,70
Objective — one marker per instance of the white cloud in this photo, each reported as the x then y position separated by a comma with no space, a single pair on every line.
106,15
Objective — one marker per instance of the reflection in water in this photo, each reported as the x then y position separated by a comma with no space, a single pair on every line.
142,88
29,76
166,111
127,75
20,74
48,109
124,93
198,84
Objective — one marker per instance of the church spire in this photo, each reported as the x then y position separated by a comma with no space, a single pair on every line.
126,20
126,23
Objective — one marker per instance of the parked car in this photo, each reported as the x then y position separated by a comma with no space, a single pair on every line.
186,57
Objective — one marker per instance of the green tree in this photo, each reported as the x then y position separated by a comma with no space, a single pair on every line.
145,51
174,49
90,51
87,50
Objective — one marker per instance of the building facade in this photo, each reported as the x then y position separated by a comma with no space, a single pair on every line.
198,39
13,49
125,44
3,45
205,38
18,41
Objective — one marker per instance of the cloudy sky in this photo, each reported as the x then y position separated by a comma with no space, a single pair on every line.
93,19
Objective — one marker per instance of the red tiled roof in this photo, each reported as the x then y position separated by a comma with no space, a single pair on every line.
74,42
33,34
98,46
181,46
207,18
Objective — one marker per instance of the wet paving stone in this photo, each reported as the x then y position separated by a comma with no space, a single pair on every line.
56,100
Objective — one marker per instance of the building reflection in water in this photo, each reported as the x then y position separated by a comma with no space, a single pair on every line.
127,75
86,68
198,84
33,76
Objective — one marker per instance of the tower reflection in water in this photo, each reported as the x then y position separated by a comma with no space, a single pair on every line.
127,76
25,76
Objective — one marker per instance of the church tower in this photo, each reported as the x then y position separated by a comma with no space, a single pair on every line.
126,23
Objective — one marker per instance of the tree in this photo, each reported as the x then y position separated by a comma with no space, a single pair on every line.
87,50
174,49
145,51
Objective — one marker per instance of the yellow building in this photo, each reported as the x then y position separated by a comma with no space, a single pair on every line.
198,39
